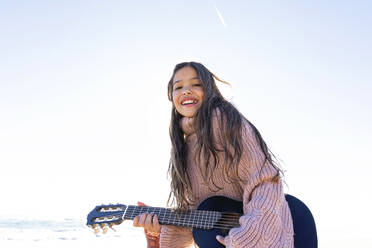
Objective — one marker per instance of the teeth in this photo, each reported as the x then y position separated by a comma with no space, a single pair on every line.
188,102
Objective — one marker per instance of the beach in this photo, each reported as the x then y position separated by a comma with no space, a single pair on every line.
65,233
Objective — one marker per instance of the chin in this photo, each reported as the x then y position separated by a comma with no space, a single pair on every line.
188,113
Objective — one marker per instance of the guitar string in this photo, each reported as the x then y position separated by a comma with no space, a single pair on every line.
197,224
196,214
138,211
192,212
222,222
202,224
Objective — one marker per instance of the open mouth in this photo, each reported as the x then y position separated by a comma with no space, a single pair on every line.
189,102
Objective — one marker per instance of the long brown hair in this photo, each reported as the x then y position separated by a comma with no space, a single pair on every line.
230,123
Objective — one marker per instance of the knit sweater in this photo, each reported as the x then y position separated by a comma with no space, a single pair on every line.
267,220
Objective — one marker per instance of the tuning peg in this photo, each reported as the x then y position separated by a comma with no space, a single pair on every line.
104,228
95,228
111,226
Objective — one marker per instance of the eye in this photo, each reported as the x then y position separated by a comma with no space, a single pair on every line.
198,84
177,88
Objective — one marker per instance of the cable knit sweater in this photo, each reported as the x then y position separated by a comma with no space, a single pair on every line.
267,220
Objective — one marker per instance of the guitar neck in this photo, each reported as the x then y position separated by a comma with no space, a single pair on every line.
192,218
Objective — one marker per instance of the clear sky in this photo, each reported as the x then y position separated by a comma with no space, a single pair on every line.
84,114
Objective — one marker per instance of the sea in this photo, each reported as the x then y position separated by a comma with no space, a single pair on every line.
66,232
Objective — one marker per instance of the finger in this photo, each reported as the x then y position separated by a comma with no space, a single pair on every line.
104,230
220,239
135,221
141,204
156,224
96,230
111,226
148,221
142,219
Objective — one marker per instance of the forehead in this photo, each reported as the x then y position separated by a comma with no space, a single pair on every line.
185,73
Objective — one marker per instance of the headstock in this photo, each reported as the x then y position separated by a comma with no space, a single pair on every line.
105,216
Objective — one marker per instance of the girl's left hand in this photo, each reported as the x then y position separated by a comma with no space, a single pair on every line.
149,222
221,239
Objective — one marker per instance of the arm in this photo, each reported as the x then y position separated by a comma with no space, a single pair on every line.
266,221
175,237
153,239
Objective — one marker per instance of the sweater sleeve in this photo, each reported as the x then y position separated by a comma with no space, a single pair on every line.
175,237
266,221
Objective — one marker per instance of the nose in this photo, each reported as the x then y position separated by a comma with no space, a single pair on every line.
186,91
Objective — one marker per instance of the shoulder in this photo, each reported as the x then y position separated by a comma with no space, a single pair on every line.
229,120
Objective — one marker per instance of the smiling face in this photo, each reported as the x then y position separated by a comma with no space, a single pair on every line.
187,93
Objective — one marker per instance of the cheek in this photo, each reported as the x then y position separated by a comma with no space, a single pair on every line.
175,97
201,94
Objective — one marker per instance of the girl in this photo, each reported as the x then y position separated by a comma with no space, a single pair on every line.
217,151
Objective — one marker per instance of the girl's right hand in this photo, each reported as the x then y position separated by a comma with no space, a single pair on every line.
149,222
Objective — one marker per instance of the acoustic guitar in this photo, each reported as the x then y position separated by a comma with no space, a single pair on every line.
214,216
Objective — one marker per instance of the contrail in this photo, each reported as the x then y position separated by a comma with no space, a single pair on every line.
220,16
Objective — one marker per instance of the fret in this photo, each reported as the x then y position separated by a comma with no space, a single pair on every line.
133,213
168,220
160,218
195,219
129,213
144,210
175,219
157,212
215,218
163,219
211,219
188,220
153,210
204,219
197,216
186,217
192,218
207,220
171,218
182,219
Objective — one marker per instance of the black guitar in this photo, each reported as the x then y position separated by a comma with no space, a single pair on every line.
214,216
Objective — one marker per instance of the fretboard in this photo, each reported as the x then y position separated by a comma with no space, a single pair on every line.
193,218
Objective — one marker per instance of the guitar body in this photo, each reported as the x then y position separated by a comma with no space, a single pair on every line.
207,238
